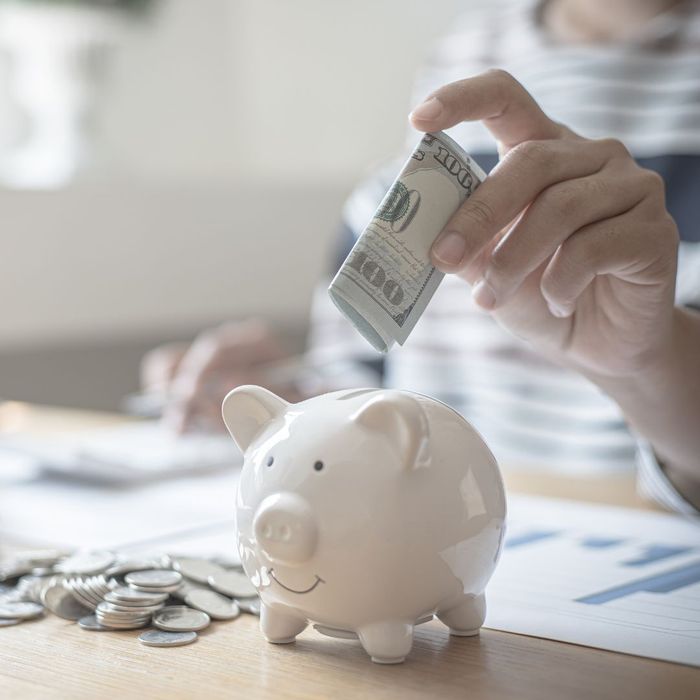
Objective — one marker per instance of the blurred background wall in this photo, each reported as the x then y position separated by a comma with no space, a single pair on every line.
201,154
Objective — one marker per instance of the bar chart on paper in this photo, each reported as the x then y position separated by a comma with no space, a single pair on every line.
604,577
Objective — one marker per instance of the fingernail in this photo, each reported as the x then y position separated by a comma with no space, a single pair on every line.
559,311
484,296
449,248
430,109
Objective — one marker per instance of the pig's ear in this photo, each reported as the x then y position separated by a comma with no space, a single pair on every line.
401,419
247,409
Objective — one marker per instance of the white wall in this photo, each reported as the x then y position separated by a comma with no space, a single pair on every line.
228,132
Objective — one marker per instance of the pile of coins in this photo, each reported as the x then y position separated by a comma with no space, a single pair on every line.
179,596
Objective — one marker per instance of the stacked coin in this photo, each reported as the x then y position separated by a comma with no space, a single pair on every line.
89,590
108,591
154,580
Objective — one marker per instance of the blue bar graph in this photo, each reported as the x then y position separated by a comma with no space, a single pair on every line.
660,583
529,538
601,542
657,552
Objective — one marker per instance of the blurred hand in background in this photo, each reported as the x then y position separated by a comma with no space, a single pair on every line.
195,378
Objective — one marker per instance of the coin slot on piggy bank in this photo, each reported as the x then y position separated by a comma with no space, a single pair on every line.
364,513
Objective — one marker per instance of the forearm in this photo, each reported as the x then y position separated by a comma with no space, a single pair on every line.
662,403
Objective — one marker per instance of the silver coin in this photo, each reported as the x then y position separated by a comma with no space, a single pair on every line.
180,618
9,621
154,578
14,570
60,601
130,596
22,610
86,563
116,619
215,605
153,589
41,557
198,570
228,561
74,585
120,616
124,625
126,567
28,588
249,605
98,587
233,583
89,622
137,610
159,638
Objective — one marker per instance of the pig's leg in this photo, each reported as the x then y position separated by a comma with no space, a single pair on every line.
278,626
465,618
387,642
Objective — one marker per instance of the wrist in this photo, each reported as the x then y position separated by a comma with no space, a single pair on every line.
661,398
649,371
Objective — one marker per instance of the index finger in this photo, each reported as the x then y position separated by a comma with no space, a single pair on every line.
506,108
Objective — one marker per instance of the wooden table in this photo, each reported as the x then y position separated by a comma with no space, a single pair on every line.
53,658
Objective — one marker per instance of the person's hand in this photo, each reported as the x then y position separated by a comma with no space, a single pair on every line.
568,242
196,379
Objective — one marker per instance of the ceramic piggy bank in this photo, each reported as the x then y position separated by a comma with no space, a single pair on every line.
364,513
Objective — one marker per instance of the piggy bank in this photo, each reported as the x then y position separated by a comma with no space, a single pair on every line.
364,513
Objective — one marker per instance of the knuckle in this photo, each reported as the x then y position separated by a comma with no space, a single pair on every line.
564,200
476,212
666,233
501,261
537,154
653,183
615,147
502,76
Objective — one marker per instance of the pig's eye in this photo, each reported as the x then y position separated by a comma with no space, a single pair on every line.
270,461
318,465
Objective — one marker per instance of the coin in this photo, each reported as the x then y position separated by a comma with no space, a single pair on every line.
22,610
60,601
233,583
215,605
86,563
130,596
89,622
126,567
185,588
159,638
9,621
14,570
74,585
140,610
249,605
198,570
154,578
180,618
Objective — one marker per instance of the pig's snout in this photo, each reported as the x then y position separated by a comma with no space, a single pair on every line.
285,528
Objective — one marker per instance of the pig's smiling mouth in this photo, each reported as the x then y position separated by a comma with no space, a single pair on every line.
293,590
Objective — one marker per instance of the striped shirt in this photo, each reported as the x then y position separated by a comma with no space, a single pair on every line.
644,91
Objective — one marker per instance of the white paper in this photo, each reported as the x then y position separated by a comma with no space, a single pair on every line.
64,513
125,453
611,578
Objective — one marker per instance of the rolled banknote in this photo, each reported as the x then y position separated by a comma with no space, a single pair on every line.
387,279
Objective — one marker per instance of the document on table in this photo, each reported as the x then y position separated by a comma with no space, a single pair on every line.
61,513
611,578
123,454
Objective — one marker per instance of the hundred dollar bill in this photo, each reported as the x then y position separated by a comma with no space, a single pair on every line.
387,279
